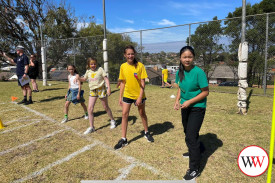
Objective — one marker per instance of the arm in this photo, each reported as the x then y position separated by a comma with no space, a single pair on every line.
26,71
8,58
31,63
202,95
122,86
79,87
108,85
177,105
142,88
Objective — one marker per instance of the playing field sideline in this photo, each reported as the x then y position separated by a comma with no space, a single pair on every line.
36,147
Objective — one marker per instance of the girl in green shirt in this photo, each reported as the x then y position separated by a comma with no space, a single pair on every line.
191,99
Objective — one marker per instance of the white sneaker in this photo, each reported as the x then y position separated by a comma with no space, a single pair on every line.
86,117
64,120
89,130
113,124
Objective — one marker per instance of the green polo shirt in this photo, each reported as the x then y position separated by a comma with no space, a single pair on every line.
191,85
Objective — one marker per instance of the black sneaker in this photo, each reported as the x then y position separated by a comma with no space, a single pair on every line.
28,102
185,155
191,174
22,102
149,137
121,143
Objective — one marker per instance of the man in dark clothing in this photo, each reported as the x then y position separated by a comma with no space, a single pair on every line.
22,67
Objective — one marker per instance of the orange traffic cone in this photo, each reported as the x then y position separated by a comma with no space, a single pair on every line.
13,98
1,124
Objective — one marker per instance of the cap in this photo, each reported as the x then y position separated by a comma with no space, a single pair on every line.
19,47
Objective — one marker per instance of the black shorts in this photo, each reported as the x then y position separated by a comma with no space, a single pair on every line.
130,101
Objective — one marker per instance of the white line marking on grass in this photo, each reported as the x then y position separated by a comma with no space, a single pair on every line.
22,120
31,142
60,161
129,159
7,110
16,128
125,171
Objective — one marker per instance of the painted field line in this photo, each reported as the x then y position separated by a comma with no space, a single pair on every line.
16,128
125,171
7,110
60,161
129,159
22,120
31,142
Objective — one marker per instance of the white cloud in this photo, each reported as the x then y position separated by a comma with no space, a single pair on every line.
166,22
121,30
80,25
129,21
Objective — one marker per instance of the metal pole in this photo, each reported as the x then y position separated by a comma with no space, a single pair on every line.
242,68
265,58
74,51
189,44
105,53
43,60
243,21
141,46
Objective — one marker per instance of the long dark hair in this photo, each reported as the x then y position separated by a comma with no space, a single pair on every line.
131,47
181,66
75,71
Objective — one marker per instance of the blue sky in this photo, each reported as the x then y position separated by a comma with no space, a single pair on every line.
133,15
128,15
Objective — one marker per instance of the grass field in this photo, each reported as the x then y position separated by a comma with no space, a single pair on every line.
36,147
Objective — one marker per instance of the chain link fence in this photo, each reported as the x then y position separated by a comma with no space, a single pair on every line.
215,42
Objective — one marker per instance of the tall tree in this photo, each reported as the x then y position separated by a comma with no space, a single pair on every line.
205,41
255,36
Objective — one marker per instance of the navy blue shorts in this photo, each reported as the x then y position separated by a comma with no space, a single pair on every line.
130,101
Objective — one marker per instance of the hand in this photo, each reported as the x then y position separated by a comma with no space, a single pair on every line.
185,104
65,96
138,102
120,102
177,105
24,76
78,97
109,91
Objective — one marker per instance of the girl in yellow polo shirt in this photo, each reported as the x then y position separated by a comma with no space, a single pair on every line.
132,76
99,88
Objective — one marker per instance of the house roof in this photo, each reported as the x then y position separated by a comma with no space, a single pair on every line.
152,73
222,71
59,75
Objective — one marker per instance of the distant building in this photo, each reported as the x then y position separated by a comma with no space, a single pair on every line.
59,75
222,73
154,76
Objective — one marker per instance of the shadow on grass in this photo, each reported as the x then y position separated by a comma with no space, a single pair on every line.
211,143
248,99
114,91
50,89
53,98
155,129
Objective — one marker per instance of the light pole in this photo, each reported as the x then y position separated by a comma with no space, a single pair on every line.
105,53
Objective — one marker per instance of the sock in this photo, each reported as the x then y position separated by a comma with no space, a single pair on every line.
86,113
123,138
146,132
30,97
25,98
66,115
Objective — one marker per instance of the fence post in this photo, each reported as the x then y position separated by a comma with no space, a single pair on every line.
141,46
265,57
43,59
74,51
189,44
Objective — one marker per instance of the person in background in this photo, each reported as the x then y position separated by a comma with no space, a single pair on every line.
191,99
165,74
22,68
74,94
33,72
132,76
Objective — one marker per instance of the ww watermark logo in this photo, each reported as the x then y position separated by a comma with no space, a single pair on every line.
253,161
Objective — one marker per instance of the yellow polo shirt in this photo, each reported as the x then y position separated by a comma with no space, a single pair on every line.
165,74
132,76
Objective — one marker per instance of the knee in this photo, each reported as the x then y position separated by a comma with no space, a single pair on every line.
142,114
91,109
106,108
125,115
67,104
